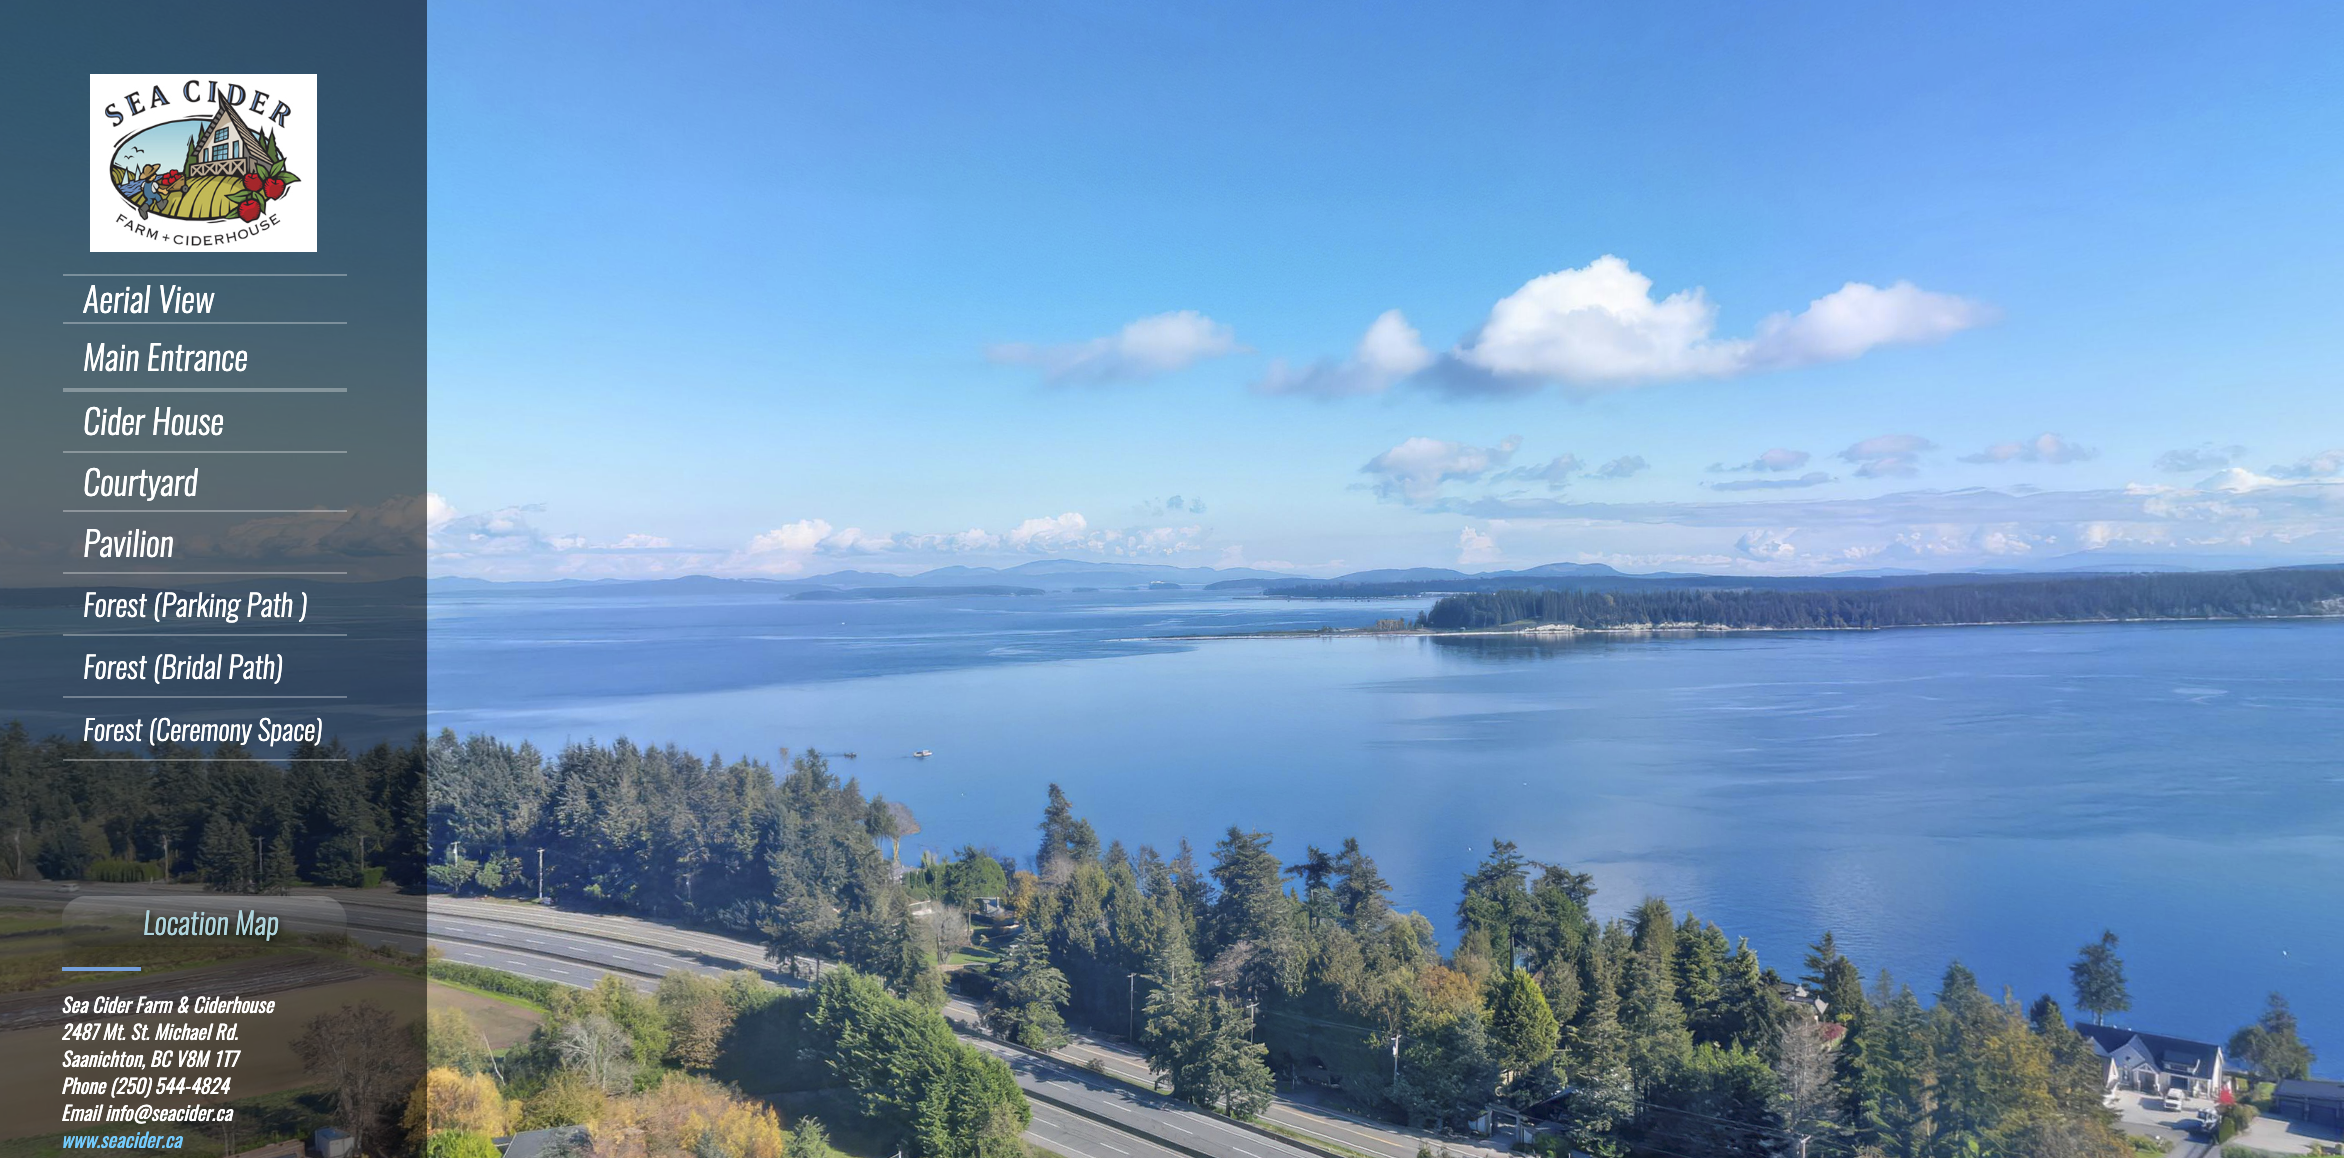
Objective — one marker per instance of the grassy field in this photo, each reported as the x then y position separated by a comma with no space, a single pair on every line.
504,1021
195,198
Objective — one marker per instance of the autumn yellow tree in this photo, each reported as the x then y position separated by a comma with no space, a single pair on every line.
450,1099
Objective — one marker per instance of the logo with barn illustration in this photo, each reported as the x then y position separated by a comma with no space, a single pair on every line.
204,162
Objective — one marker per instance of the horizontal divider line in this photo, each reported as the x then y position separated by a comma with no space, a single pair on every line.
207,389
145,322
205,511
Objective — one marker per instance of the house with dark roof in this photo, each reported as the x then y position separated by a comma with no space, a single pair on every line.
2310,1100
548,1143
2154,1063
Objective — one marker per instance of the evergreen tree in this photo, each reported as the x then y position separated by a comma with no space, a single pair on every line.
1361,893
1202,1043
277,872
2098,975
224,859
2271,1043
1522,1029
1496,901
1315,870
1603,1097
1027,997
807,1139
1252,903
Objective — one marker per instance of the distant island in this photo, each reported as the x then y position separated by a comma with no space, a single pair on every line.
820,593
2268,594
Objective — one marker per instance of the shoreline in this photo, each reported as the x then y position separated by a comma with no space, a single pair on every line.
1569,630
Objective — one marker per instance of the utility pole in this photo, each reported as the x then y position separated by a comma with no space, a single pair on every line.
541,876
1131,1006
1395,1059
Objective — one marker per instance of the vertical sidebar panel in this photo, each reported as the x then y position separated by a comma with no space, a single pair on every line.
212,530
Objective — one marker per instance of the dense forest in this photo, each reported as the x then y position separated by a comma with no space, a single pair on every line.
1651,1033
1233,968
843,1053
2214,595
330,817
663,832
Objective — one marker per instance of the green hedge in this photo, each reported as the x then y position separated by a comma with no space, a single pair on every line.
122,872
495,981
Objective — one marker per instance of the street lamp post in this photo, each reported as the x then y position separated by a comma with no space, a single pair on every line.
1131,1006
541,876
1395,1059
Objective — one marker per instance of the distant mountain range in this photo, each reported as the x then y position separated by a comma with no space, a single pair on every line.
1044,575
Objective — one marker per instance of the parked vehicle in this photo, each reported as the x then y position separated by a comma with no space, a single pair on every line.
2173,1098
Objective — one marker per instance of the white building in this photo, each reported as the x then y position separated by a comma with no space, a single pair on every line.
2154,1063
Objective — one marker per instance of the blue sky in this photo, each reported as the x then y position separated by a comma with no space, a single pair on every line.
752,289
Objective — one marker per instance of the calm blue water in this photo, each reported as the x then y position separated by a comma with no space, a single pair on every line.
1993,794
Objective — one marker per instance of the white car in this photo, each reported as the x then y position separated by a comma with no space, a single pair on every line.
2173,1098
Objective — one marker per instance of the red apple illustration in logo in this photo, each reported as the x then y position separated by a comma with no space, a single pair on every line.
250,210
273,188
252,182
168,179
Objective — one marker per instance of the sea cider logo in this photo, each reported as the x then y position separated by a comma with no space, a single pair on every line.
213,163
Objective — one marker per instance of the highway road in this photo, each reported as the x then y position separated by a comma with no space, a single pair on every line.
1072,1108
511,926
579,948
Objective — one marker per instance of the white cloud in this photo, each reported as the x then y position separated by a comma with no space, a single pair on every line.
2325,464
2045,448
1624,466
1556,474
1777,459
1476,547
1045,533
798,538
1415,469
1767,546
1599,327
1390,351
2237,480
2235,518
2190,460
1174,504
1887,454
1813,478
1141,350
1857,318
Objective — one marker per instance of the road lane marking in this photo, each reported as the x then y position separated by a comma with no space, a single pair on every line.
593,933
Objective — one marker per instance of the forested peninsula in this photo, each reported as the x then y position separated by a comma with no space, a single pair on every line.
2269,594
